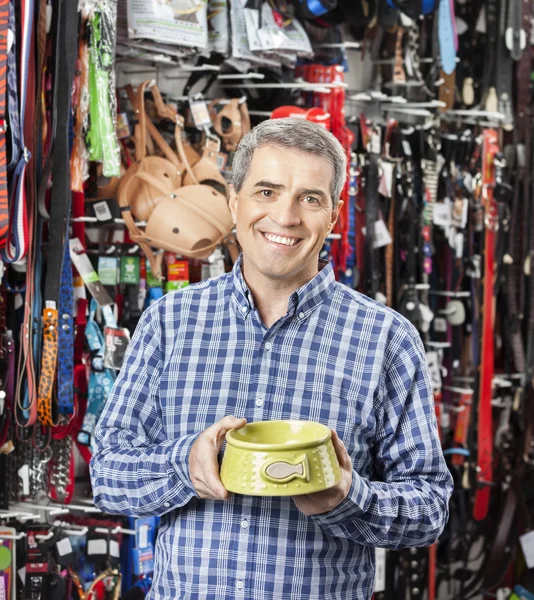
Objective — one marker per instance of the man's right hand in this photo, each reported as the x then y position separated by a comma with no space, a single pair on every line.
203,464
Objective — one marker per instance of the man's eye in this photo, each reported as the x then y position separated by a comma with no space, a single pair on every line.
266,193
311,200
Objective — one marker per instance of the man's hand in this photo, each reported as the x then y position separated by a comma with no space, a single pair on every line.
323,502
203,464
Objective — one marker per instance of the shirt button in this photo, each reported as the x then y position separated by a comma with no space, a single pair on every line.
268,345
240,585
244,524
167,504
301,315
259,402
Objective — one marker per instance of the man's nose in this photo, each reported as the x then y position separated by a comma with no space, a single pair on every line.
286,212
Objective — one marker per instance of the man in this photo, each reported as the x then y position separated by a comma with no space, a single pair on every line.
277,338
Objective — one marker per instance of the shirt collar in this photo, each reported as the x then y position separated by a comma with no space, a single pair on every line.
303,300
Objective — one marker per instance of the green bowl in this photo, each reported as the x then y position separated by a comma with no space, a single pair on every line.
280,458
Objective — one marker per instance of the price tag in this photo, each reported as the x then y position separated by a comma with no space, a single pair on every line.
216,262
481,26
114,549
380,570
89,275
382,237
102,211
143,536
108,270
199,112
440,325
116,340
433,369
459,213
442,214
64,547
527,545
222,160
386,181
130,270
24,475
459,245
123,126
64,552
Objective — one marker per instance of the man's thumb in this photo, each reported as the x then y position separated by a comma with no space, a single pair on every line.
229,422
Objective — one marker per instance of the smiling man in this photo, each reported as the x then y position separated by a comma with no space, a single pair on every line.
277,338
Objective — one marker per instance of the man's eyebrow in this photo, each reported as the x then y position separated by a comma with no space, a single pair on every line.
269,184
314,193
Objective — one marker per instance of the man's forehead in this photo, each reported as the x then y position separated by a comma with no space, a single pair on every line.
273,160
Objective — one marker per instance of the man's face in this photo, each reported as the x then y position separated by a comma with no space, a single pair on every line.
286,195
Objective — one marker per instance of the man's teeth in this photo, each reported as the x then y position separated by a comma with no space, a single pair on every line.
281,240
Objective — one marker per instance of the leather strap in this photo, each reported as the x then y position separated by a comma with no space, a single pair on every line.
504,70
514,268
16,246
12,94
78,163
65,395
26,390
371,217
516,39
47,409
4,23
66,47
399,76
492,27
447,90
461,429
146,124
484,428
7,384
523,72
499,554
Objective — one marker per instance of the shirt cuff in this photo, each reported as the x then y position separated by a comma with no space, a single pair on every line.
352,506
179,458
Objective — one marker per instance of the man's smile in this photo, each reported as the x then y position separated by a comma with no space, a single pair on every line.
280,241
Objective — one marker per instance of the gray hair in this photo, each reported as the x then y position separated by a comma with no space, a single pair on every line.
297,134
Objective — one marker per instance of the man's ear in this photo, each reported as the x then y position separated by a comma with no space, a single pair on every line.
233,201
335,215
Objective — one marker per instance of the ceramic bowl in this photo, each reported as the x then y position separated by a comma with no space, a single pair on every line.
280,458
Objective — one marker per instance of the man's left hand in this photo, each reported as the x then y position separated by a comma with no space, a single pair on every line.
323,502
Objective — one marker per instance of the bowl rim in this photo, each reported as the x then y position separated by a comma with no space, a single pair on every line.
232,441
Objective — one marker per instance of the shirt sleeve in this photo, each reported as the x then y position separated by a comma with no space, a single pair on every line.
135,470
408,505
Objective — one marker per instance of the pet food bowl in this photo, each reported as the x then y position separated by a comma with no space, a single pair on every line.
280,458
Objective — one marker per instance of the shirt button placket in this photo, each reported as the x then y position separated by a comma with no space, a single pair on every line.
244,527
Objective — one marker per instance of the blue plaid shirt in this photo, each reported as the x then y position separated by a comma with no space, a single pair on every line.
336,357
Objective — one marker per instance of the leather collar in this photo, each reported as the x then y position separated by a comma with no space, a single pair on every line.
304,300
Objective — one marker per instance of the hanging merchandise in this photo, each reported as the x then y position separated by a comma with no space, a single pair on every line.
160,200
231,121
119,120
101,137
182,22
